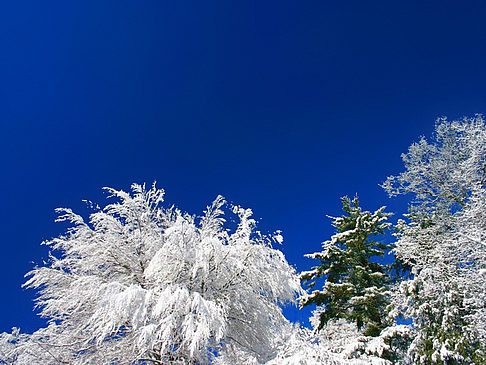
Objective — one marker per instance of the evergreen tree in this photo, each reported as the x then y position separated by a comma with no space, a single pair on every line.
356,285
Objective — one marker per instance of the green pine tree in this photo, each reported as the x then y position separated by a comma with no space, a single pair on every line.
356,285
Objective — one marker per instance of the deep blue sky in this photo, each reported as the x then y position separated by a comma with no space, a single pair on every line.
281,106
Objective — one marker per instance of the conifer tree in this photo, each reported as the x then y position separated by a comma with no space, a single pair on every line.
356,285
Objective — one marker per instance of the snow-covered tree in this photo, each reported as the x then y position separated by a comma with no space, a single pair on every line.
441,175
356,284
139,283
444,243
351,326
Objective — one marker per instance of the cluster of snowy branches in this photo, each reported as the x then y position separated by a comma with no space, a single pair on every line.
443,244
138,283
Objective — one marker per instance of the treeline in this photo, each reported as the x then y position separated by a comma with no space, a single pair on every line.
140,283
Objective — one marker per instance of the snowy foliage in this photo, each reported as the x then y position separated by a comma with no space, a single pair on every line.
340,343
356,286
442,174
444,244
140,282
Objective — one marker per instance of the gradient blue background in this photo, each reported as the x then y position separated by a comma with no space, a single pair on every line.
280,106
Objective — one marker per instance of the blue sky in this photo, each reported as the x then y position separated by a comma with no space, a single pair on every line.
281,106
